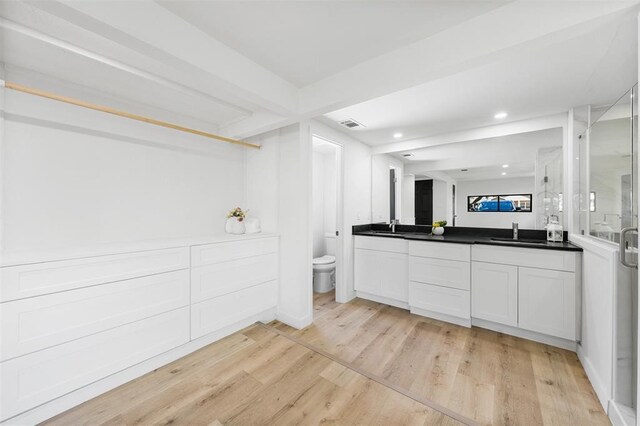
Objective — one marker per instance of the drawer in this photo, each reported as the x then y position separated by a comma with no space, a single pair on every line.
18,282
34,379
447,251
445,273
395,245
215,314
40,322
226,277
438,299
533,258
210,254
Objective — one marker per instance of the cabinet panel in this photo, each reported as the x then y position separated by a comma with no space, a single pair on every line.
446,273
226,277
366,277
50,277
494,293
443,300
392,270
40,322
209,254
437,250
533,258
547,302
395,245
215,314
33,379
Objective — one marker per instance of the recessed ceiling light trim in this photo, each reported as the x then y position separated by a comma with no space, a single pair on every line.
500,115
397,135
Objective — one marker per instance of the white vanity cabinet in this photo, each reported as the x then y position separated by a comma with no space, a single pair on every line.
533,292
440,280
495,293
380,270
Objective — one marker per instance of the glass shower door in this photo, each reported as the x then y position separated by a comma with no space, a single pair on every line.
608,206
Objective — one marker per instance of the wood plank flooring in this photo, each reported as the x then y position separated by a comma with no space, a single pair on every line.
487,376
261,377
254,377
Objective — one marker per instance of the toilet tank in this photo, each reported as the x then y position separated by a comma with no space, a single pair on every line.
330,243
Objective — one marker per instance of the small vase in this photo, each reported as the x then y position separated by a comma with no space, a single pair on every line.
234,226
438,230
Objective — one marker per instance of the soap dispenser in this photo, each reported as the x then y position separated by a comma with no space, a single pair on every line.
554,230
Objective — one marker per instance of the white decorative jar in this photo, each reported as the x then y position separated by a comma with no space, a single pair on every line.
235,225
437,230
554,232
252,225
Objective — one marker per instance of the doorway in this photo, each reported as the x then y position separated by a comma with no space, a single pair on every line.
327,221
424,202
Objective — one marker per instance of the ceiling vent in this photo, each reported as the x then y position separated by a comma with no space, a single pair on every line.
350,123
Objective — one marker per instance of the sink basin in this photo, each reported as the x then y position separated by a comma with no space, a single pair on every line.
388,233
518,241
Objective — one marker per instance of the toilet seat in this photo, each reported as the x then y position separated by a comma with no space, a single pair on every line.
324,260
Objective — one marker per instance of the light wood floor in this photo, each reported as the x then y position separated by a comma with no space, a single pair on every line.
260,377
487,376
255,377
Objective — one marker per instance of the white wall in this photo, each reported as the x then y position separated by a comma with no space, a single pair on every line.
324,199
380,190
74,177
524,185
318,204
408,200
295,306
356,196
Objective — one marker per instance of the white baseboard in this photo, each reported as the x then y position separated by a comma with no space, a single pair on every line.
382,299
464,322
526,334
297,323
70,400
598,386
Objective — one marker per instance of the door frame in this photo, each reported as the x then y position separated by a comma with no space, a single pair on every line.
341,291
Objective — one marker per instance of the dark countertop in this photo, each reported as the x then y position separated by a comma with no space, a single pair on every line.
528,238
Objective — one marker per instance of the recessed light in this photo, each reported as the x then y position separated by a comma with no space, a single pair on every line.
397,135
504,166
504,173
500,115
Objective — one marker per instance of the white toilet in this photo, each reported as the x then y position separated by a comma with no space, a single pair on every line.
324,267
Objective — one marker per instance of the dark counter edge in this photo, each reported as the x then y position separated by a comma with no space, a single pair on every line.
464,235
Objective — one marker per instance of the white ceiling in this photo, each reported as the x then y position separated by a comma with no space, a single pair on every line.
246,67
594,67
484,158
306,41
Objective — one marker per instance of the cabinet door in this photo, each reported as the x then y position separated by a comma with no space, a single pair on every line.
494,293
547,302
392,270
366,277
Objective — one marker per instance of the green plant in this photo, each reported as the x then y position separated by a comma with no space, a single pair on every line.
239,213
439,223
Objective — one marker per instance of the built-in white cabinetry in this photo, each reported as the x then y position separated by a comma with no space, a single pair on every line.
380,270
495,293
72,324
533,292
547,302
440,280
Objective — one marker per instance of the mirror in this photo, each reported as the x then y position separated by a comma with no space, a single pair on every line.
480,183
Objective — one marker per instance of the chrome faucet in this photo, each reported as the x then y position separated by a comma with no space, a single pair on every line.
514,229
393,224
